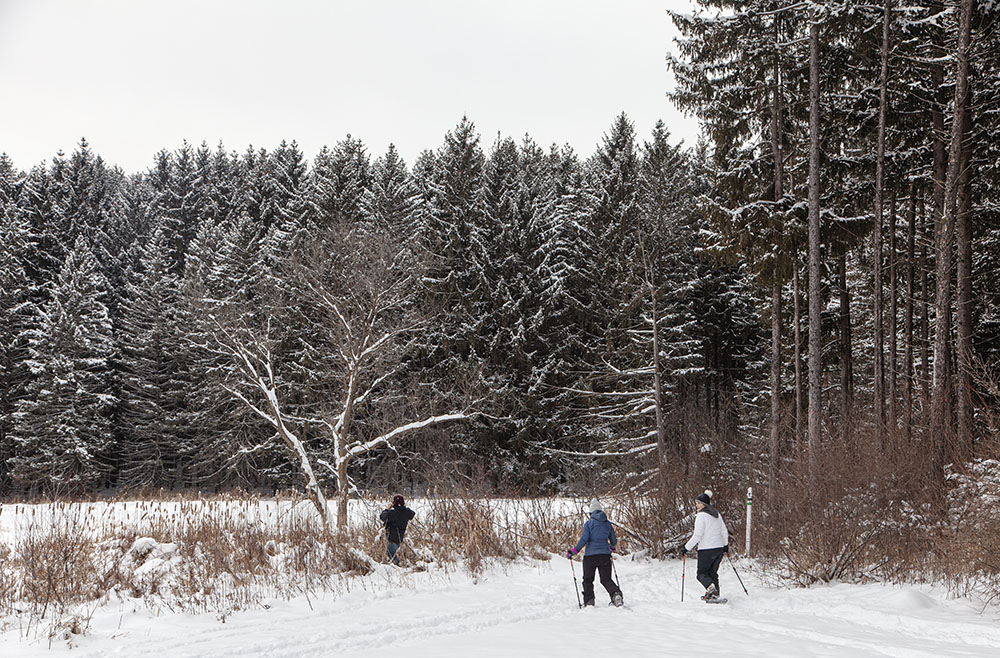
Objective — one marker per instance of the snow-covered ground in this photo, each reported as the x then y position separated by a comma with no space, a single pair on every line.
529,609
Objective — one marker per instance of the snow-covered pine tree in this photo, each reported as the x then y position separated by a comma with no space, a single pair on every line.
450,231
14,302
254,176
63,426
613,174
499,339
392,197
225,184
338,183
613,186
284,207
209,409
536,198
207,204
177,204
151,388
670,359
10,179
519,197
35,208
563,335
286,198
233,301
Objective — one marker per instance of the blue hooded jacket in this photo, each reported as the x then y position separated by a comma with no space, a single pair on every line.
598,535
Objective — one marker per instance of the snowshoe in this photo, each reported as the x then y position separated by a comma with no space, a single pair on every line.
710,593
588,603
716,600
617,600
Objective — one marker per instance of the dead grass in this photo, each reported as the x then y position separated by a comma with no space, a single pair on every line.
232,553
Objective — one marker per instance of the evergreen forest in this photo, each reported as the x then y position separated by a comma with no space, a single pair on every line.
806,301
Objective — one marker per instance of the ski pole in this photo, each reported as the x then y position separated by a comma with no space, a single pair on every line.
733,565
576,586
684,558
614,570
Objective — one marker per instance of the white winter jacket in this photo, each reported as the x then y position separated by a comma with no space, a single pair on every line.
709,532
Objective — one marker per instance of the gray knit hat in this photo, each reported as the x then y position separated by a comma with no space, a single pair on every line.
595,506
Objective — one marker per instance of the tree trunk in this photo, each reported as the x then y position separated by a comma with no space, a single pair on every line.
877,311
846,359
797,311
940,164
963,236
778,193
815,292
879,203
911,222
893,424
925,306
661,432
343,491
775,379
942,385
341,433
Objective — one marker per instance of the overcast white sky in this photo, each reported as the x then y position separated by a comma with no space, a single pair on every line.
135,76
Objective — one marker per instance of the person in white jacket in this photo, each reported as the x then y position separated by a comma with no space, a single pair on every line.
712,539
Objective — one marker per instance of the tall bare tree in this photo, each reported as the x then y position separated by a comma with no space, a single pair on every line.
880,397
963,287
911,234
942,385
778,156
356,284
815,291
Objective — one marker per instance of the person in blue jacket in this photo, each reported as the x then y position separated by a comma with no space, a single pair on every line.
598,542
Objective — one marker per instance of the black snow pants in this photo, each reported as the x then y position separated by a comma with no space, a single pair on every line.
591,564
708,566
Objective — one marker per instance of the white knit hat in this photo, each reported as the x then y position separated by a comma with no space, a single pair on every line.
595,506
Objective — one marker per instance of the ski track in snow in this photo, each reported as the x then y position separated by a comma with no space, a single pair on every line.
531,610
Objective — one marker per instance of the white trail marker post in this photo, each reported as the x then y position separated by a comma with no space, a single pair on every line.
749,516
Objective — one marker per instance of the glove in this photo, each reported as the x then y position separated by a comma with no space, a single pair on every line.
613,549
570,553
725,549
684,552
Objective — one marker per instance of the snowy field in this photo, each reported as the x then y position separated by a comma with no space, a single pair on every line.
530,609
16,518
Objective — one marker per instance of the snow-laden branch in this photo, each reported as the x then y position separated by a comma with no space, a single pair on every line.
362,448
638,450
251,365
332,304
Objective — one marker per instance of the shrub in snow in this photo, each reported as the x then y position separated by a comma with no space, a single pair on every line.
975,494
973,534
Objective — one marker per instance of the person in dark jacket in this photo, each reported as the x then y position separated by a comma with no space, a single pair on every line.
395,517
598,542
